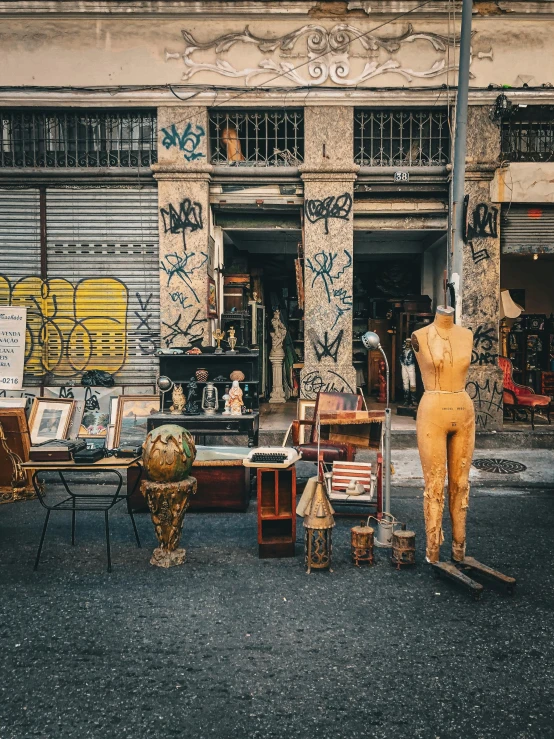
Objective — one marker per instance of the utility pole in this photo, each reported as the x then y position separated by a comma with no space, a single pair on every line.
455,276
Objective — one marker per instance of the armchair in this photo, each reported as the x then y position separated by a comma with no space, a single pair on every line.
521,397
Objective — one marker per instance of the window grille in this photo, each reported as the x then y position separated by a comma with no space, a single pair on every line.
268,138
528,135
125,138
401,138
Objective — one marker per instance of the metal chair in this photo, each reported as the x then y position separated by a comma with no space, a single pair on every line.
84,502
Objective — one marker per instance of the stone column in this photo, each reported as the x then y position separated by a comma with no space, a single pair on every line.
481,265
328,174
183,176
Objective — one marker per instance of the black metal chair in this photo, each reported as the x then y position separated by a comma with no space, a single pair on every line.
84,502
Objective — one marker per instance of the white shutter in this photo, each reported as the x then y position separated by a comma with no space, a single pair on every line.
105,243
19,233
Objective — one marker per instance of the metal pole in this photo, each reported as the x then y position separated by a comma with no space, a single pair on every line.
387,442
460,149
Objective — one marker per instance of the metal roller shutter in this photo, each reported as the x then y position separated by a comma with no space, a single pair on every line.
102,256
19,233
527,229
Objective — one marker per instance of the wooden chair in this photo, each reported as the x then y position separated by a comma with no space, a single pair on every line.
332,451
520,397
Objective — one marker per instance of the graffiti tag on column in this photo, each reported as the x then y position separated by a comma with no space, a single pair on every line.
327,381
344,303
484,223
478,255
190,332
484,343
182,267
487,400
325,347
188,141
326,267
338,207
187,218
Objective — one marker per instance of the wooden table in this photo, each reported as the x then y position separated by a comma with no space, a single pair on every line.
217,424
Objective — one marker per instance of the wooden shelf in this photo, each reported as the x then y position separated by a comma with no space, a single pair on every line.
276,511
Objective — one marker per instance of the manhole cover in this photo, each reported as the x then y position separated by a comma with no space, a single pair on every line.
501,466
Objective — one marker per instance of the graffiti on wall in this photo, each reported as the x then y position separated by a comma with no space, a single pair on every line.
192,331
487,399
326,268
71,328
329,208
324,381
188,141
485,345
187,217
326,347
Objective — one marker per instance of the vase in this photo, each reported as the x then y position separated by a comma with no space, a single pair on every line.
168,453
237,375
201,375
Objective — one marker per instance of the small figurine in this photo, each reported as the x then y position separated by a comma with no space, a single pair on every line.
178,398
231,340
226,397
407,362
192,407
218,336
235,399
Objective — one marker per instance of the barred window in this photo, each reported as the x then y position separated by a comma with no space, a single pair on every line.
401,138
270,138
528,134
76,138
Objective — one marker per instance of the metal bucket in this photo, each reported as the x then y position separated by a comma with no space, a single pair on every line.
385,529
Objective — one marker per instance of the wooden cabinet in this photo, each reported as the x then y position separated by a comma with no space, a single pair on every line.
276,512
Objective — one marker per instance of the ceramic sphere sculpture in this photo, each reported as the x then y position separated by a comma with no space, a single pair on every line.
168,453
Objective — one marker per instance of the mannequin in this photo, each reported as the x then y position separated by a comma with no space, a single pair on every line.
445,427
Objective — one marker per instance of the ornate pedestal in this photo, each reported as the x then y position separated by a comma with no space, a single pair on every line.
168,502
277,392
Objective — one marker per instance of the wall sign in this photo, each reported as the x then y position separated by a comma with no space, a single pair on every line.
401,176
13,322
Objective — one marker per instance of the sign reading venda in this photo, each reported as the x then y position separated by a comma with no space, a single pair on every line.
13,322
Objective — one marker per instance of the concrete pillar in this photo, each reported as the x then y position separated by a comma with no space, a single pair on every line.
328,173
481,264
183,176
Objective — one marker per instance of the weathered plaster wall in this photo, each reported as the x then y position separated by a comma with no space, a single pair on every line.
525,182
328,175
481,266
184,219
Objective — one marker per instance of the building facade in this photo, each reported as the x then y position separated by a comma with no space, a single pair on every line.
150,151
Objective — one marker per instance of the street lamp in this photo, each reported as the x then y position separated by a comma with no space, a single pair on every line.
371,342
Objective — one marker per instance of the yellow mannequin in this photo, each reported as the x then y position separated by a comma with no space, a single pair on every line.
445,427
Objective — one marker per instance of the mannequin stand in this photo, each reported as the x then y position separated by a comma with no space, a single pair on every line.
456,571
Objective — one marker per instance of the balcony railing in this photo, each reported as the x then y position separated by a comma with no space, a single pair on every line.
528,135
267,138
124,138
401,138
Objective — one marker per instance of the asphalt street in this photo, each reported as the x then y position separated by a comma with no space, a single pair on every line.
231,646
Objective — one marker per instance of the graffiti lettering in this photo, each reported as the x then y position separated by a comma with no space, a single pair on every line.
484,343
181,298
189,333
345,301
326,348
478,255
91,400
187,142
143,307
485,223
324,268
187,218
183,267
487,401
332,207
329,382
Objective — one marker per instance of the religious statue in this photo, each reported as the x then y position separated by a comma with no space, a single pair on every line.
445,427
235,399
178,398
276,357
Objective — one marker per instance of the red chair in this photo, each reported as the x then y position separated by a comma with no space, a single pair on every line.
332,451
521,397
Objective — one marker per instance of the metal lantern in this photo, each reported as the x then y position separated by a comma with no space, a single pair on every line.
210,399
403,549
319,523
361,538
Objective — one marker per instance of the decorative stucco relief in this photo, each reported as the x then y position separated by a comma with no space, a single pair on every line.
313,55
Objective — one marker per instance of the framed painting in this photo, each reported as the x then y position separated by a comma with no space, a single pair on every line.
50,419
17,443
212,298
305,412
132,414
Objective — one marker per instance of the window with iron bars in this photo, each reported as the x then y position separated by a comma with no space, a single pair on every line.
528,134
268,138
401,138
76,138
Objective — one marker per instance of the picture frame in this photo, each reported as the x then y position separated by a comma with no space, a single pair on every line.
132,414
212,298
94,424
16,432
50,419
13,402
110,436
303,412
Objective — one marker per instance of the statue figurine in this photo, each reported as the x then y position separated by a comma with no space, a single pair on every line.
226,398
192,407
407,362
178,398
231,340
382,397
235,399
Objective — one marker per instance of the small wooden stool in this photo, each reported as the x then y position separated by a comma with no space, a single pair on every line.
168,502
403,549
